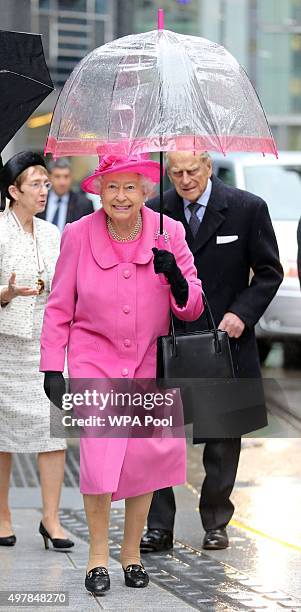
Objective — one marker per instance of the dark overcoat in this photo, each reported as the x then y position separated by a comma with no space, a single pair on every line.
78,206
236,256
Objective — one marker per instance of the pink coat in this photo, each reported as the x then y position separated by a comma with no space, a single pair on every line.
108,312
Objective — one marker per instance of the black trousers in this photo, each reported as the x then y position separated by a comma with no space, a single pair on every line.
220,461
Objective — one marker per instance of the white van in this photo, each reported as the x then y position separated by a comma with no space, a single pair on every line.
278,182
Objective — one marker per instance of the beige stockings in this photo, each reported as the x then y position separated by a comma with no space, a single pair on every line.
97,509
136,511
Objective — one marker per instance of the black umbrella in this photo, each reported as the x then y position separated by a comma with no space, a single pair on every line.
24,81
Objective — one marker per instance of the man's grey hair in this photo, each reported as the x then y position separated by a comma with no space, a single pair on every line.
201,154
61,162
147,185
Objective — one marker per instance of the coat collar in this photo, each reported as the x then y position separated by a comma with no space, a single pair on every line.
101,243
213,217
70,207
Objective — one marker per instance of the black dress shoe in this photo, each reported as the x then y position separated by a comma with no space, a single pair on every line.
98,580
8,540
60,543
156,540
215,539
136,576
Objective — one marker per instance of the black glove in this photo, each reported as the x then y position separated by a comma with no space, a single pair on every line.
165,263
54,387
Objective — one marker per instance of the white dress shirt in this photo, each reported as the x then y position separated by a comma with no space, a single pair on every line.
52,206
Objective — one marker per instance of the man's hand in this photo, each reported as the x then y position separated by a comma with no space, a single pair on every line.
13,290
232,324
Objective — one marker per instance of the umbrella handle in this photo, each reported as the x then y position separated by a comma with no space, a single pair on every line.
161,27
161,191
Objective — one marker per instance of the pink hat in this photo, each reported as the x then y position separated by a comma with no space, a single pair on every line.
140,164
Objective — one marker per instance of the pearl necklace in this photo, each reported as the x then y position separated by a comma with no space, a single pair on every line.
133,233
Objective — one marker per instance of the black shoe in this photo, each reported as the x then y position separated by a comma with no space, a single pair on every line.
8,540
135,576
61,543
156,540
215,539
98,580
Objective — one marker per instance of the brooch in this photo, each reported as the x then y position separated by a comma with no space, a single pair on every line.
165,235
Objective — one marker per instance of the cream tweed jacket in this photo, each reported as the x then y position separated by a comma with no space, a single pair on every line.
17,254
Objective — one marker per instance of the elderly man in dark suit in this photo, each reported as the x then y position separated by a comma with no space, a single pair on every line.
230,234
64,205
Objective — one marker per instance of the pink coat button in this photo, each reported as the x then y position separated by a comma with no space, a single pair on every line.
127,342
126,309
124,372
126,273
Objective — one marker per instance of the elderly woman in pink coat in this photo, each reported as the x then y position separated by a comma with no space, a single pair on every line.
111,298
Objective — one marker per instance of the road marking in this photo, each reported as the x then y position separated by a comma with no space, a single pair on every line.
267,536
239,525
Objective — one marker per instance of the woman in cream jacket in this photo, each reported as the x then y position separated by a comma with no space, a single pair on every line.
29,248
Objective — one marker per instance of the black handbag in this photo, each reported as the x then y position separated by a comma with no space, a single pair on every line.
200,354
200,364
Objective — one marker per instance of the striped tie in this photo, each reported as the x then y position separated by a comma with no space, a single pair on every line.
194,222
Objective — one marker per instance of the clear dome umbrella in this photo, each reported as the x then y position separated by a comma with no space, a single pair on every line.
158,91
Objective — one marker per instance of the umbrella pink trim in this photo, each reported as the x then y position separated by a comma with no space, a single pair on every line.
223,144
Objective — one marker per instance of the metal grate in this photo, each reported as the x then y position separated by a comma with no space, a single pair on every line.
192,576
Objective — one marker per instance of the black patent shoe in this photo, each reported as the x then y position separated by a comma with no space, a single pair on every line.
216,539
8,540
156,540
59,543
135,576
97,580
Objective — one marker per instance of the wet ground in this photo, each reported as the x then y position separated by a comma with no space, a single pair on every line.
260,570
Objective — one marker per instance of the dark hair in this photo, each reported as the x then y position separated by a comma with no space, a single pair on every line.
61,162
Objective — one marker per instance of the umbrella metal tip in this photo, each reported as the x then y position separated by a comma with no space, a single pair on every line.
160,19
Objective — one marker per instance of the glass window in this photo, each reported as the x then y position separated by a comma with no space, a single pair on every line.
180,16
226,175
72,5
279,186
72,21
81,46
101,6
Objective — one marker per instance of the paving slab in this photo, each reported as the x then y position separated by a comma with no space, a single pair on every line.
32,568
260,570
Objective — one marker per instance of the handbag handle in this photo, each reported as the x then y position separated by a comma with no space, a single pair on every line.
211,326
208,312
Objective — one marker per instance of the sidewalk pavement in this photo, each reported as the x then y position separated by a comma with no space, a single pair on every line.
259,571
28,566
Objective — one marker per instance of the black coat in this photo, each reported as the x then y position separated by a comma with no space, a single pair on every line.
225,268
78,206
299,250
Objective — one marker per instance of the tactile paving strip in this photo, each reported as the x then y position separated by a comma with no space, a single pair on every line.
193,576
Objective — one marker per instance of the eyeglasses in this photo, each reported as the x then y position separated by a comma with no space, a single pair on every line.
37,185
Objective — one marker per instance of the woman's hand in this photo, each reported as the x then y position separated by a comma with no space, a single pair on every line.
165,263
54,387
13,290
